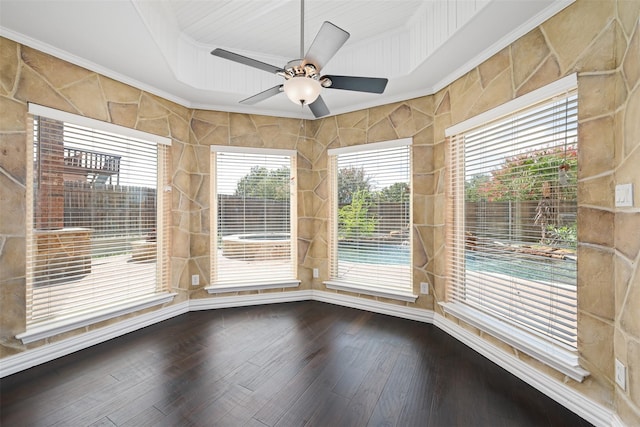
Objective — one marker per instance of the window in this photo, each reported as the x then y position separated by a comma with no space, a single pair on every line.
253,219
370,226
97,228
513,207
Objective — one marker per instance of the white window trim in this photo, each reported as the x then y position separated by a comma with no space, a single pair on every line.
553,355
39,110
74,321
78,321
222,287
405,295
565,84
376,291
253,150
402,142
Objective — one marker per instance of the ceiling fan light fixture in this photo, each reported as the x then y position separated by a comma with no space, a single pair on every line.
302,90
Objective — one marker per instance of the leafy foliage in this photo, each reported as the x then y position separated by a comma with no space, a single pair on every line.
354,219
523,177
397,192
350,181
566,235
264,183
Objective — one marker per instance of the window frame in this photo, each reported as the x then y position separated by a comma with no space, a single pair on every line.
68,322
215,287
401,293
553,354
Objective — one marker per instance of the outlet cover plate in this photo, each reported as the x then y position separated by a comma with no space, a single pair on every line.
316,273
424,288
195,280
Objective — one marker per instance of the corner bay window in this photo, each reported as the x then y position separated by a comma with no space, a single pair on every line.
253,219
97,221
370,219
512,241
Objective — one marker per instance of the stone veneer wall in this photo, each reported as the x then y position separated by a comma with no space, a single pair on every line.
27,75
597,39
600,41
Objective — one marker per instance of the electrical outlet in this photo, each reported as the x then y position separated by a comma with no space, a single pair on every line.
621,375
316,273
424,288
195,279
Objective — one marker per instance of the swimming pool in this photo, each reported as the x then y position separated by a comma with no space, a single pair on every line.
381,254
521,266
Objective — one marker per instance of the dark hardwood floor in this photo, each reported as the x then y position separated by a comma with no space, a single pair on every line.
294,364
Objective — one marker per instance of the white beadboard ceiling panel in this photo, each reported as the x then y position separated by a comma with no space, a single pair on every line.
163,46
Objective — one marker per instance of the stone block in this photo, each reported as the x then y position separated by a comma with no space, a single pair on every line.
631,61
603,234
58,73
86,95
631,126
629,314
595,344
12,161
573,30
9,62
13,115
595,276
381,131
119,93
627,231
123,114
528,52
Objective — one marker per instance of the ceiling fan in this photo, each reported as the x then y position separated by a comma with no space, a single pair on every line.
303,82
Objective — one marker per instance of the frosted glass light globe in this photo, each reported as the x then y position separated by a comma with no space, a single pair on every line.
302,90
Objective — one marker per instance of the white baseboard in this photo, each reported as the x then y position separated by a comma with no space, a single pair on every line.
374,306
561,393
27,359
247,300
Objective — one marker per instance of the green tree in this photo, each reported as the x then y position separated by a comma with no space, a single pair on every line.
264,183
397,192
354,220
350,181
528,176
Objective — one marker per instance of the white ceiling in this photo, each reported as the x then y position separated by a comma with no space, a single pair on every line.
163,46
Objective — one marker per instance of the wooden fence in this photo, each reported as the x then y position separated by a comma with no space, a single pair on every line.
110,210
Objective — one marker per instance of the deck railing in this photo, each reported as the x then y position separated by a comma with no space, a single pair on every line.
96,166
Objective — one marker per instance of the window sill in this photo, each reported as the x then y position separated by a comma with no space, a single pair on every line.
553,355
59,326
397,294
221,288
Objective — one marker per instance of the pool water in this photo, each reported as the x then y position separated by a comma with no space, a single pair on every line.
380,254
530,268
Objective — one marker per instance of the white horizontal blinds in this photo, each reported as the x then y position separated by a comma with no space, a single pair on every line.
254,193
333,215
513,186
93,240
163,227
373,217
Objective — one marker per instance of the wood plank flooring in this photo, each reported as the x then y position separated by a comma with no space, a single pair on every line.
293,364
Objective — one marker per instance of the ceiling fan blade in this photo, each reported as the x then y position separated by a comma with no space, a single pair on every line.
319,108
327,42
221,53
358,84
262,95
